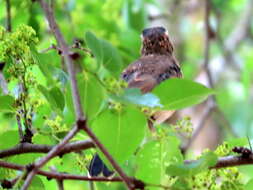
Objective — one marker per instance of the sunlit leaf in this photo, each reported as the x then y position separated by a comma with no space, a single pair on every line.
153,158
180,93
120,132
134,96
7,103
207,160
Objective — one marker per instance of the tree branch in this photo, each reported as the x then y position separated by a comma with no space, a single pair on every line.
8,15
58,175
35,148
53,152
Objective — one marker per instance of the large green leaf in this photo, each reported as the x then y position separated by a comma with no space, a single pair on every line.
120,132
54,96
105,53
44,62
153,158
207,160
134,96
7,103
92,95
95,46
9,139
111,58
180,93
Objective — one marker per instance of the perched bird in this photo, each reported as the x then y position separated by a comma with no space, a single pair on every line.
155,65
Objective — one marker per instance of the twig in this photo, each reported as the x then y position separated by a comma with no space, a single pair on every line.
65,53
8,17
20,131
35,148
58,175
207,43
59,181
81,120
53,152
223,162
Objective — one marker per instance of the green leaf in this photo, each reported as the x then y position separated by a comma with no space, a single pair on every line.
207,160
37,184
153,158
134,96
105,53
92,95
94,45
120,132
9,139
176,93
58,97
7,103
42,59
249,185
54,96
111,58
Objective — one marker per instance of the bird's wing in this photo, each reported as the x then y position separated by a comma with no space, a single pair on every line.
148,71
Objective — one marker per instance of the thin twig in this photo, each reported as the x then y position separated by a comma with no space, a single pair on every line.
53,152
20,131
24,148
59,181
58,175
65,53
207,43
8,15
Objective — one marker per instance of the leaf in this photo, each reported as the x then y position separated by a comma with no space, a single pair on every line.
249,185
111,58
37,184
153,158
58,97
120,132
105,53
134,96
176,93
7,103
94,45
207,160
54,96
42,59
9,139
91,93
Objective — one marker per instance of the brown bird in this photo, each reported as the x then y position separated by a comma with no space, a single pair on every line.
155,65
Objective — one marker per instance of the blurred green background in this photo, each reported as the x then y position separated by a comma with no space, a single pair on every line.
120,22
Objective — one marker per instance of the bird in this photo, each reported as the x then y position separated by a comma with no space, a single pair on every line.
155,65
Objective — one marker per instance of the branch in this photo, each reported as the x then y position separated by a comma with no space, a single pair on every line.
229,161
34,148
8,15
207,42
53,152
81,120
58,175
241,29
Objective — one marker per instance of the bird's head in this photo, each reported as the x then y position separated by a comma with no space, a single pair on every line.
155,40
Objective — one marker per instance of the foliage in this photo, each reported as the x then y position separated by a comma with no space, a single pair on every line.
39,97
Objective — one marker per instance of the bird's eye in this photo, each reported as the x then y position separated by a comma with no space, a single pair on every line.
145,32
